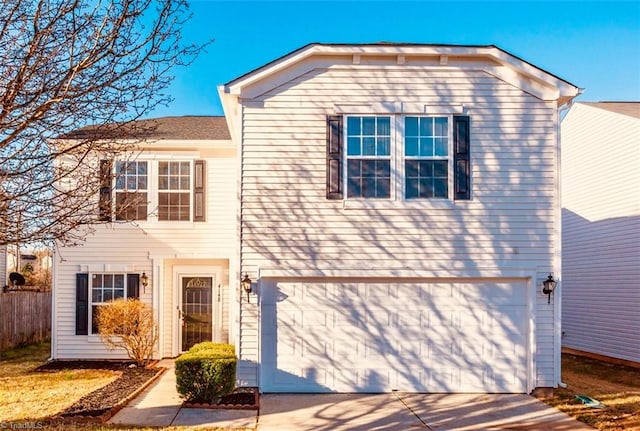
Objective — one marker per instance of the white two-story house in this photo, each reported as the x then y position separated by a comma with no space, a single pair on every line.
397,212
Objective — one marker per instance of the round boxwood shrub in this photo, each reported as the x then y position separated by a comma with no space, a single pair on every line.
206,374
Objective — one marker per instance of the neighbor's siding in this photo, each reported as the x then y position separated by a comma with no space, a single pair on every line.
130,247
288,224
601,232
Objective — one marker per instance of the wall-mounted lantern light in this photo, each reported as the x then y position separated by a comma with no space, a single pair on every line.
246,285
548,286
144,280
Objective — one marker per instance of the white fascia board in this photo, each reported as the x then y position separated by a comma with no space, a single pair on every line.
231,112
236,87
518,67
184,144
165,144
565,89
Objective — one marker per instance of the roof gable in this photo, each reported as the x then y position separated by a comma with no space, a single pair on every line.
489,58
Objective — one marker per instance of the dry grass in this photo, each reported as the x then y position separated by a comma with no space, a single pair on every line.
29,395
616,386
28,398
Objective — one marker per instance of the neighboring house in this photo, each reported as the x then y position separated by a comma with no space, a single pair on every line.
601,229
38,260
179,233
400,209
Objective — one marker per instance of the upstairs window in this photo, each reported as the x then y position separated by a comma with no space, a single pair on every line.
150,190
398,157
174,191
131,190
426,163
368,157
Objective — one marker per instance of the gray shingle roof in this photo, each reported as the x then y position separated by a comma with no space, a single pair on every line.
163,128
632,109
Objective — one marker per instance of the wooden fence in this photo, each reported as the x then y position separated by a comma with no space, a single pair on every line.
25,317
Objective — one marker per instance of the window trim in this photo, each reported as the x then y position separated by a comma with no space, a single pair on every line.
97,304
114,197
157,191
376,157
448,157
397,158
152,191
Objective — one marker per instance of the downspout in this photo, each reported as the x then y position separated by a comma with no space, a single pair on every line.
54,283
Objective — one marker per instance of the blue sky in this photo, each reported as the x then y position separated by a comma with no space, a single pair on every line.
594,45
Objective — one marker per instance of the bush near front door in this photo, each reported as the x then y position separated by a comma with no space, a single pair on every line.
206,372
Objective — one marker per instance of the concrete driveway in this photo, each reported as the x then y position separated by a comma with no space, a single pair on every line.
160,405
399,411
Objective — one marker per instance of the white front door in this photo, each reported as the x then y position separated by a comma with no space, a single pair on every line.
451,336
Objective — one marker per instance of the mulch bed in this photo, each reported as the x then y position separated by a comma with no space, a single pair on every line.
102,403
246,398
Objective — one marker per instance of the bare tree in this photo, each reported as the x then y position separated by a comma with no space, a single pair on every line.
74,75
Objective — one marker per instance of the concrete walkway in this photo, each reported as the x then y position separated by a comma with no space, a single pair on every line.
159,406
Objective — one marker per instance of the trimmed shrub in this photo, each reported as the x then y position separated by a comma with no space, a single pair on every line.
217,347
206,374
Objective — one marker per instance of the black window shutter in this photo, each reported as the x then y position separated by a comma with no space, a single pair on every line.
82,304
334,157
199,204
104,203
133,286
461,159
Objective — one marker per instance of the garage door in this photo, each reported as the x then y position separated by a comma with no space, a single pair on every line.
378,337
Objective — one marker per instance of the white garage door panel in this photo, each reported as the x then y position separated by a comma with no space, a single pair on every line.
378,337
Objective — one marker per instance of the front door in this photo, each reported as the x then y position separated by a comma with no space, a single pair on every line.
197,307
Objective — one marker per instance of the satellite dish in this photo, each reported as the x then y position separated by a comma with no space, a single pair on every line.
17,279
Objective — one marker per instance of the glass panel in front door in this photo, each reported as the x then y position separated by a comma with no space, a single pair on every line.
196,311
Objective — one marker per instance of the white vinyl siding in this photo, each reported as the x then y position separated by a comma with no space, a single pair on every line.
601,232
288,225
153,248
